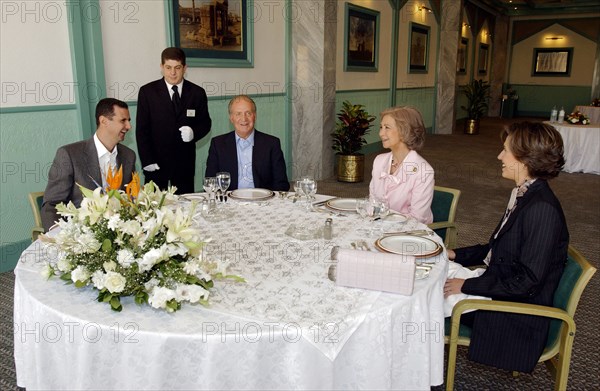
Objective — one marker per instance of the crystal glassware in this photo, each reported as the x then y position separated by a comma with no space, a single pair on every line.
210,186
223,182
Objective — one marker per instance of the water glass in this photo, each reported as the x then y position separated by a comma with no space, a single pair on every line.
309,187
210,186
223,182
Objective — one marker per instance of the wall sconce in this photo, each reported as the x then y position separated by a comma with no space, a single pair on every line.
554,38
466,25
422,7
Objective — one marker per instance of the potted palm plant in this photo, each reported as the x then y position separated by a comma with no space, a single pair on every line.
478,94
354,122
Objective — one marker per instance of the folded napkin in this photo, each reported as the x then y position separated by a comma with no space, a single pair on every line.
375,271
456,270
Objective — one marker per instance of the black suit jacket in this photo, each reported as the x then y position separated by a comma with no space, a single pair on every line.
528,259
74,164
268,164
157,127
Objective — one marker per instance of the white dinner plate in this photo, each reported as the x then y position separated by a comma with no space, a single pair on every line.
342,204
257,194
395,218
193,197
403,244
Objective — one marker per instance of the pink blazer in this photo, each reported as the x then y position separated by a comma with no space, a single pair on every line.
410,190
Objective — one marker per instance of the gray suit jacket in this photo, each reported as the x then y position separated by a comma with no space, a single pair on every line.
74,164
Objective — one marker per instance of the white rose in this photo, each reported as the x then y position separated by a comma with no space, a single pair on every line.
109,266
98,279
47,272
81,273
159,297
114,282
152,257
63,265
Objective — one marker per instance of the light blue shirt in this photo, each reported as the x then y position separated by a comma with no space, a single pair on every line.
244,157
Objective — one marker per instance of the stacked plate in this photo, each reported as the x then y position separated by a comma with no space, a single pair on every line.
407,244
193,197
342,204
257,194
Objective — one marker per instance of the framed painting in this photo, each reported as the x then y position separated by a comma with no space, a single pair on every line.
361,39
418,48
552,62
463,54
482,60
212,33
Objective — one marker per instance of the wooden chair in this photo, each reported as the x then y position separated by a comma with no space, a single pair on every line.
443,206
36,199
557,354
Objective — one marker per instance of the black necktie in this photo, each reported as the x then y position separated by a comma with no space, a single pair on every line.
176,99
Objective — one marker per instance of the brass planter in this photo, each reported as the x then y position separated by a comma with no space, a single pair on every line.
350,168
472,126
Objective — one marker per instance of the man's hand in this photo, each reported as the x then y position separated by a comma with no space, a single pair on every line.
453,286
187,134
152,167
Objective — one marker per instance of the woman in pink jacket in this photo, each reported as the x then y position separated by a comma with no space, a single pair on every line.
402,176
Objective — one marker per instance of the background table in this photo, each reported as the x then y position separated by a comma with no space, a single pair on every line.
592,112
287,327
582,147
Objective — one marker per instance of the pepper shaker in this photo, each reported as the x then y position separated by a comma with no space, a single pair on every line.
328,229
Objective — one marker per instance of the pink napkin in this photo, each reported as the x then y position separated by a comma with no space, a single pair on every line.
375,271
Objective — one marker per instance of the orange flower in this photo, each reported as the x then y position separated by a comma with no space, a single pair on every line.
114,179
133,187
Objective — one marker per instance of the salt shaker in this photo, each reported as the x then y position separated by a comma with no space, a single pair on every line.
328,229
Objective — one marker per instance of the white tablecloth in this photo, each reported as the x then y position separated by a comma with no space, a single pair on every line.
288,327
582,147
592,112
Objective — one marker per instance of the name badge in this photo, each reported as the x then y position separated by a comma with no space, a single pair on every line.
191,113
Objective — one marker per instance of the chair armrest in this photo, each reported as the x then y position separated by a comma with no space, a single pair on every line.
506,306
35,232
441,224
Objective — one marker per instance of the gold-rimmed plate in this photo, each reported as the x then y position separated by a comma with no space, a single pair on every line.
256,194
403,244
342,204
193,197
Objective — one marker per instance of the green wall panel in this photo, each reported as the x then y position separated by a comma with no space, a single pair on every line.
28,142
538,100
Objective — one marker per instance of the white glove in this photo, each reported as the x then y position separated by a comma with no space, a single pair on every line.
187,134
152,167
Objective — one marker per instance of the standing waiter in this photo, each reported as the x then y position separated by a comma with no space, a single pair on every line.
172,115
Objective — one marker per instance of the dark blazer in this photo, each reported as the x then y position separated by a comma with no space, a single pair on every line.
268,164
528,259
157,127
74,164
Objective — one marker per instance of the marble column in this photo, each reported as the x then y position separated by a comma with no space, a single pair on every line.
500,54
446,74
312,86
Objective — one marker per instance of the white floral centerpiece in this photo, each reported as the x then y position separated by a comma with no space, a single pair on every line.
134,243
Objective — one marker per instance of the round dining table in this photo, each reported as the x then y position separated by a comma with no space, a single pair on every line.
288,326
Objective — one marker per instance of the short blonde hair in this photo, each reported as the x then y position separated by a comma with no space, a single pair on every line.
410,125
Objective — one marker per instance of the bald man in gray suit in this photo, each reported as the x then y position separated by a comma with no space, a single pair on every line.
86,162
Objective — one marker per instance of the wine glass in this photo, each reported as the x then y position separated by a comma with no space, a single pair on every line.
309,187
378,209
223,182
210,185
298,189
362,208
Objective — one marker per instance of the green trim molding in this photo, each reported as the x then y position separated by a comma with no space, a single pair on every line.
34,109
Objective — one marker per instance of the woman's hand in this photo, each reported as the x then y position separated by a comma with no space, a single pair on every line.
453,286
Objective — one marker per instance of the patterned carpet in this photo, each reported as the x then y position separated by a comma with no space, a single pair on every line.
469,163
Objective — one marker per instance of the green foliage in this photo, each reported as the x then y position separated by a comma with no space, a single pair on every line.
353,124
478,95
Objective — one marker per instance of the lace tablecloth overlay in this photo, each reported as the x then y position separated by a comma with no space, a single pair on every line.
397,341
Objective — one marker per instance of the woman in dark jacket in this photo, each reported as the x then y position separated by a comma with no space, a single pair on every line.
525,256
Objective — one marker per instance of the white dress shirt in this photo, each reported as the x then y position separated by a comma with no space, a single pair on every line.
106,159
